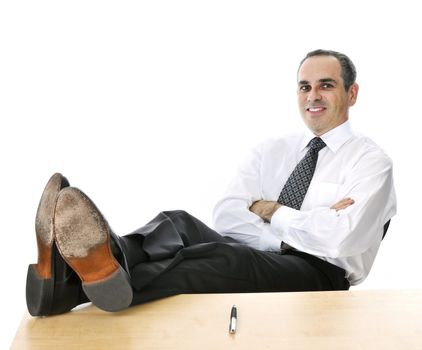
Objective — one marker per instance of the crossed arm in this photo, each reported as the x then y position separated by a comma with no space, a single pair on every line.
265,209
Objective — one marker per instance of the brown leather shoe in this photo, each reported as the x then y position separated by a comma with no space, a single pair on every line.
52,287
83,238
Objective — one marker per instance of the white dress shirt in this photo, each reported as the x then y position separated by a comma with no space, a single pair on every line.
350,166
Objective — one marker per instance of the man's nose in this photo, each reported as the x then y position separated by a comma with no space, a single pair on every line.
314,95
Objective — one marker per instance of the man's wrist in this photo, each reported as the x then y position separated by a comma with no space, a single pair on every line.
265,209
275,208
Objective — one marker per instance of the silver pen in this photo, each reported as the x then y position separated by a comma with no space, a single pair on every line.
233,320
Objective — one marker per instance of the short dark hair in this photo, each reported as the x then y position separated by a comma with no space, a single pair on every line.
348,70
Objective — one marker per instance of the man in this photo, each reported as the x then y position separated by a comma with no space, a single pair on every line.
305,212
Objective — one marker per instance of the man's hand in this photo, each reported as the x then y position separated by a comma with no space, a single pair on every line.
343,204
264,209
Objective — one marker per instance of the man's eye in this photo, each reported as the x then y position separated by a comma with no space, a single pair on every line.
305,88
327,86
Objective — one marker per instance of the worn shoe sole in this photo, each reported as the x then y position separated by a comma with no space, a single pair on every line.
40,277
83,240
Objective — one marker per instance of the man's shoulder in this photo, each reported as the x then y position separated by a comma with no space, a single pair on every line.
367,143
366,147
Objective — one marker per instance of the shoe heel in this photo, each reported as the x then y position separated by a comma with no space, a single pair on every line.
111,294
39,293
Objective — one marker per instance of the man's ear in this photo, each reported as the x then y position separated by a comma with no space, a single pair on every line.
353,94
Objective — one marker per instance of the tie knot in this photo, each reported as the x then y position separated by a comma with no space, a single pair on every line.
316,144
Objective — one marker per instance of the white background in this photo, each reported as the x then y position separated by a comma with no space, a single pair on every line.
150,106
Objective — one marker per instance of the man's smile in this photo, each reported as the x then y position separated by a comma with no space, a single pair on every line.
316,110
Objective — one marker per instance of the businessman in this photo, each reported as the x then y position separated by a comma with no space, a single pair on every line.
305,212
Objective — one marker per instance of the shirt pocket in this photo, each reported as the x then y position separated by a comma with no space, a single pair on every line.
322,194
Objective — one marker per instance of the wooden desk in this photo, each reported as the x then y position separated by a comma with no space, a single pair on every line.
316,320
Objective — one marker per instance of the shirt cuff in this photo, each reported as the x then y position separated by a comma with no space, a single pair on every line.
268,241
281,221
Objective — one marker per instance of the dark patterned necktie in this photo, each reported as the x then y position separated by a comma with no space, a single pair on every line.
297,184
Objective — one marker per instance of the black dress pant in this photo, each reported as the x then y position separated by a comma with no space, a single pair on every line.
176,253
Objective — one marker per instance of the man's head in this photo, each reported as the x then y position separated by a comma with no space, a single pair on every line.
326,89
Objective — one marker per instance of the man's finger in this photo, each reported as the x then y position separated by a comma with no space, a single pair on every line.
343,204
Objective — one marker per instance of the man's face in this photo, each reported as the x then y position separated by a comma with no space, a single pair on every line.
323,101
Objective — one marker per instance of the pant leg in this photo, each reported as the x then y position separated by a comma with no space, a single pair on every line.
165,235
186,256
235,268
153,248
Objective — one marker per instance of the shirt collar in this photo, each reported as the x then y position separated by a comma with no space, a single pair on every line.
334,138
